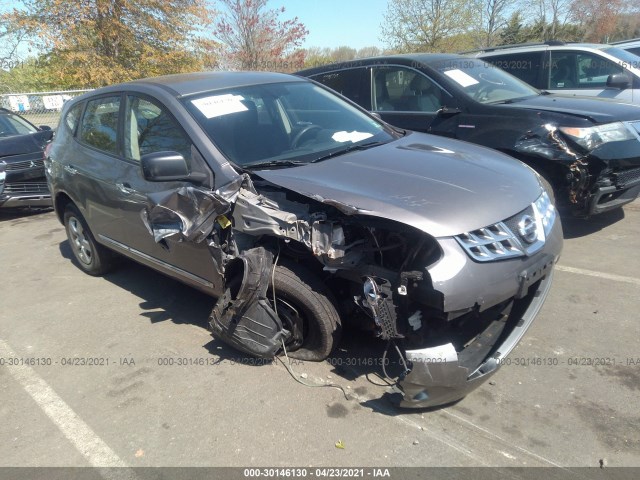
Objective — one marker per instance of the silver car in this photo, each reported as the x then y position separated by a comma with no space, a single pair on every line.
298,211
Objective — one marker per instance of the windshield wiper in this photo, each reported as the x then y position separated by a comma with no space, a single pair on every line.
272,164
350,148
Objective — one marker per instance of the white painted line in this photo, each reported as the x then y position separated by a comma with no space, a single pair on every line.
83,438
506,442
593,273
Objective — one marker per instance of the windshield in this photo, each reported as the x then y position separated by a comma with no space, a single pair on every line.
484,82
283,124
628,58
11,125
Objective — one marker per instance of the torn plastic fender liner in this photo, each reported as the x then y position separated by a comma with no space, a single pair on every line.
437,378
189,211
243,317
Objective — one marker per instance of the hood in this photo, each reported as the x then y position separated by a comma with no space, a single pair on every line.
598,110
29,143
440,186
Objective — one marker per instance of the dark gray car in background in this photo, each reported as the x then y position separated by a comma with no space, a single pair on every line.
22,180
298,211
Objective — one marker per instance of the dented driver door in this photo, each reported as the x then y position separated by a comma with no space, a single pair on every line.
150,128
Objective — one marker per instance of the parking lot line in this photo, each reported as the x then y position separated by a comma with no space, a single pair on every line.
593,273
83,438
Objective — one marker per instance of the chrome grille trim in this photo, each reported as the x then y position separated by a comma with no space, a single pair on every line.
502,240
493,242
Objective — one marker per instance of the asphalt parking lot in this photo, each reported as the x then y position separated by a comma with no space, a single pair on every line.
121,371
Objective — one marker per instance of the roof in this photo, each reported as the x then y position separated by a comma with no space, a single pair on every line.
627,42
407,58
184,84
538,46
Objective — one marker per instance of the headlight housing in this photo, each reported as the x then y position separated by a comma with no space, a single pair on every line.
592,137
521,235
545,211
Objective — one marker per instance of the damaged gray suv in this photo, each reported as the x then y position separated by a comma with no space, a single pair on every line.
298,210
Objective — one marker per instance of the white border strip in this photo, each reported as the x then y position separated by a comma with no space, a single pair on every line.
592,273
83,438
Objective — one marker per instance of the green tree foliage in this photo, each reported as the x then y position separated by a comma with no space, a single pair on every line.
99,42
255,38
426,25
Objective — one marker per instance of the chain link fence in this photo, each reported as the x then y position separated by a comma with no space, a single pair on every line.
40,108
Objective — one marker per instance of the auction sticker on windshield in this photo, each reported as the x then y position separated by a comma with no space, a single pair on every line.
461,77
219,105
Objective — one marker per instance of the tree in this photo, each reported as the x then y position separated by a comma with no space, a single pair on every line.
365,52
99,42
552,16
491,21
425,25
513,32
254,37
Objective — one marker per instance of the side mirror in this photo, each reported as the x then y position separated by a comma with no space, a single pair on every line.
164,167
619,81
44,128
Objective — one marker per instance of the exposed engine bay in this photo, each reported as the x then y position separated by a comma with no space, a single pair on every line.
376,268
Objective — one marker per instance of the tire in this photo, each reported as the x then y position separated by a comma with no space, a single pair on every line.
91,257
299,290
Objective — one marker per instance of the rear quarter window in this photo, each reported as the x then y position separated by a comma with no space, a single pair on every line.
72,117
99,124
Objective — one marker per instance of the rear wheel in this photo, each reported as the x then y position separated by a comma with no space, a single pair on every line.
305,308
91,257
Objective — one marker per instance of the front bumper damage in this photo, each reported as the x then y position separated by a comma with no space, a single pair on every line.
588,181
613,190
402,297
438,376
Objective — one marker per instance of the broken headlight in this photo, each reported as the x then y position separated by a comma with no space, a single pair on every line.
592,137
520,235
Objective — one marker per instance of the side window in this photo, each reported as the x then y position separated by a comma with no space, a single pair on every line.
574,70
525,66
18,126
352,83
403,89
72,117
149,128
99,124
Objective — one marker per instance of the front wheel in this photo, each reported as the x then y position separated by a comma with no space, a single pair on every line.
91,257
306,310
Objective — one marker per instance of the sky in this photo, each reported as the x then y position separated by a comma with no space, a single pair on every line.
331,23
334,23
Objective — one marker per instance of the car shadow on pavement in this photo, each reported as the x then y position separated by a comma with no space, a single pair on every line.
574,227
19,214
359,354
165,299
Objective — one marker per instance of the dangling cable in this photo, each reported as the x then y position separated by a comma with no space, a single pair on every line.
295,377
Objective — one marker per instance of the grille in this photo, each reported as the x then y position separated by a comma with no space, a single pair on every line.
502,240
627,176
25,188
491,243
512,222
24,165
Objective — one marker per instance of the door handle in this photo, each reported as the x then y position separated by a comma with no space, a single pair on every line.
70,169
125,188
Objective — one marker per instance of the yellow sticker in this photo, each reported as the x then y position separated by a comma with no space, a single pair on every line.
223,221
